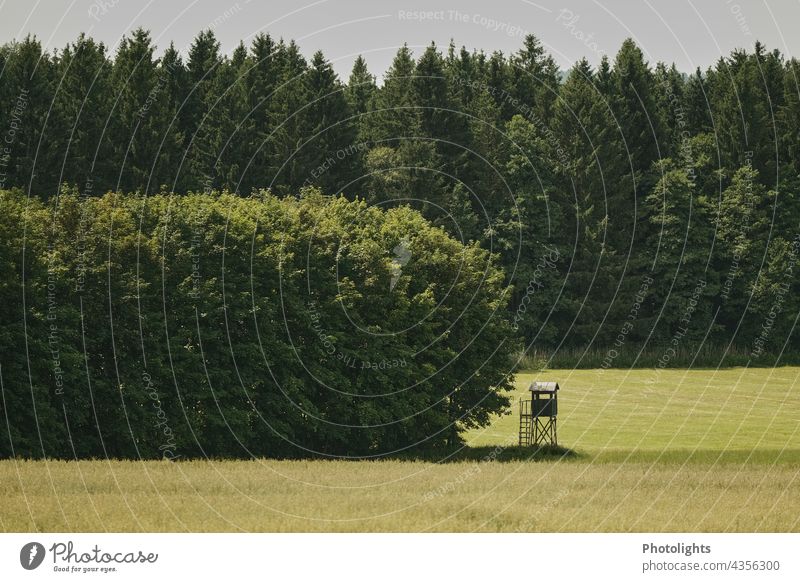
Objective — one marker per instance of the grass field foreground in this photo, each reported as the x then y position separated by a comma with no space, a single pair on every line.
675,450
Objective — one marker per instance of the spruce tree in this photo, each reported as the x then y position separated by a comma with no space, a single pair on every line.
635,109
330,149
679,248
393,114
535,77
263,70
670,110
359,92
745,232
171,94
230,120
32,134
290,122
696,103
640,132
83,105
463,77
199,168
789,121
144,138
488,194
587,159
440,119
499,80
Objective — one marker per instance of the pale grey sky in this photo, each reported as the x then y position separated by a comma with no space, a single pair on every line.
689,33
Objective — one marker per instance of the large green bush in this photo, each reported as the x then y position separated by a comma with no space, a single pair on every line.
226,326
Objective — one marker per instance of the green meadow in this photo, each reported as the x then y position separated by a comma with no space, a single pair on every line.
673,450
611,414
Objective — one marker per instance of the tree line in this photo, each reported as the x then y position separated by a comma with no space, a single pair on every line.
631,204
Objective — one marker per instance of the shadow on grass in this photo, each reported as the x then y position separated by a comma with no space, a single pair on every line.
463,454
496,454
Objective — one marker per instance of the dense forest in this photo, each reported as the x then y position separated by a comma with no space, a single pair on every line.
617,209
631,204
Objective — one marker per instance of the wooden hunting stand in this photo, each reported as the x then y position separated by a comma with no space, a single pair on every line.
537,416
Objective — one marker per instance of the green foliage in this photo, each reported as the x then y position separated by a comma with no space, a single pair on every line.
217,325
629,172
145,151
332,135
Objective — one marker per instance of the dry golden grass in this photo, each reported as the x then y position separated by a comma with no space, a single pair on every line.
398,496
662,460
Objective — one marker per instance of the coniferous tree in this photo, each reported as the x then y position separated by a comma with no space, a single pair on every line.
588,168
82,104
745,229
463,77
604,79
534,76
263,76
290,122
404,155
528,234
30,159
393,114
670,111
441,119
359,92
330,150
200,165
489,193
639,133
696,103
635,108
679,249
789,121
770,65
231,122
499,79
430,94
170,93
144,133
746,95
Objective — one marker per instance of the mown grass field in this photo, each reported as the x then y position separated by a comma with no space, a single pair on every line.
677,450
